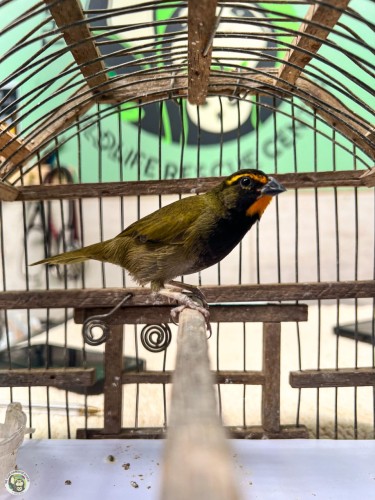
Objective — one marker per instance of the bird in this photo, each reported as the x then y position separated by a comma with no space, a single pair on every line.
184,237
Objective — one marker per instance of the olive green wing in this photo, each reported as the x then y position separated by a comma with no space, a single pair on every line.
170,224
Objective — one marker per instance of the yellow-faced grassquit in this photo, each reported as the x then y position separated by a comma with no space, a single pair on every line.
186,236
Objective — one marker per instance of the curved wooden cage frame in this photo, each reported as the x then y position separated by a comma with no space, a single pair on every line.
190,73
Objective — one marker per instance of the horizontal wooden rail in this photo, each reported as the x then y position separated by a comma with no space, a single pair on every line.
235,432
224,314
197,459
341,377
350,178
53,377
109,297
8,192
251,377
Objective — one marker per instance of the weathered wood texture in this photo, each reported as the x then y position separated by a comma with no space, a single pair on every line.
271,370
342,377
8,192
221,377
109,297
12,145
125,433
247,432
355,178
152,86
70,19
319,20
224,314
197,460
53,377
368,178
112,381
201,23
258,432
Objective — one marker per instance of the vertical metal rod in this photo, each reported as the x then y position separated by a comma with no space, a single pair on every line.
296,250
100,199
337,233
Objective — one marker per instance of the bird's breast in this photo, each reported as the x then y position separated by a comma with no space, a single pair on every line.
223,238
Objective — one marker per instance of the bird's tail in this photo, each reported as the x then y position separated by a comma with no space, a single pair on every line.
74,256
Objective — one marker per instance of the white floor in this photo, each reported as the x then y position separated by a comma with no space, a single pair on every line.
266,470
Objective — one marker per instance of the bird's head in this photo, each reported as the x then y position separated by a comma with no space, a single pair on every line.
249,192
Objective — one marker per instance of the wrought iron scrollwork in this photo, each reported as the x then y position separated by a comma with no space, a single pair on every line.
99,321
156,338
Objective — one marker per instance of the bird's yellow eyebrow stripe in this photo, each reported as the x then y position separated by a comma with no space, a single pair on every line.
256,177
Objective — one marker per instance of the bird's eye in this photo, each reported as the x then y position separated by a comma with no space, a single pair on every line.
245,181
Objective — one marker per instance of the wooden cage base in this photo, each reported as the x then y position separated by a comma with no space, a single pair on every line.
234,432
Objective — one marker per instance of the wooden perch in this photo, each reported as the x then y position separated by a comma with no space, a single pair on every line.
310,38
108,297
201,26
197,462
84,50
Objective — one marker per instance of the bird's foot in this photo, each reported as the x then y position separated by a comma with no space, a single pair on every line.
191,288
192,302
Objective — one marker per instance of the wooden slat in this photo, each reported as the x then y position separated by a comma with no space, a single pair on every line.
331,109
108,297
125,433
8,192
225,314
368,178
342,377
53,377
153,86
271,370
197,460
247,432
86,53
221,377
201,23
12,146
258,432
112,382
310,38
355,178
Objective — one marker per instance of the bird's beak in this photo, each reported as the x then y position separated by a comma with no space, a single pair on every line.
273,187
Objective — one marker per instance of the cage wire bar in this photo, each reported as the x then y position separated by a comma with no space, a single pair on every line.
309,65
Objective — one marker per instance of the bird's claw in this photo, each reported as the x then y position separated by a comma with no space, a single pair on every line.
175,312
194,300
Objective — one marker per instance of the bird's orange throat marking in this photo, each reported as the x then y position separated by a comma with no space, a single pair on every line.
258,207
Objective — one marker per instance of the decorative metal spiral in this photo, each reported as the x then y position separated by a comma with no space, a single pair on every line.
156,338
88,334
99,321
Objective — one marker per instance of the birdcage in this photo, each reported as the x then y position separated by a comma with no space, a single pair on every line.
113,109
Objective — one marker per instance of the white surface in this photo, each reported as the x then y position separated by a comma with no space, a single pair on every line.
266,469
